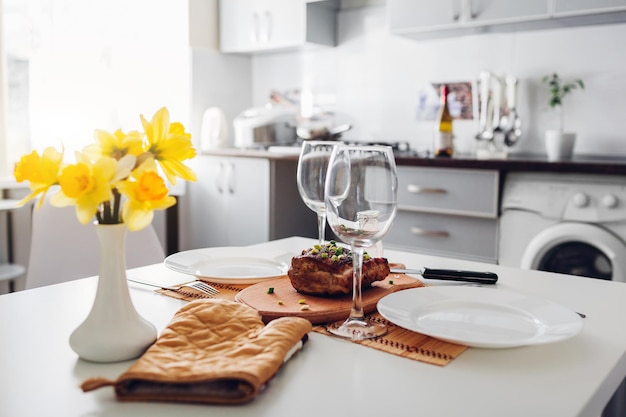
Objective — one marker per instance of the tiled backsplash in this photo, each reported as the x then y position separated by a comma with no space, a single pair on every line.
376,78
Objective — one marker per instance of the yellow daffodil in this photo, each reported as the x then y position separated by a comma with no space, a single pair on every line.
41,172
169,144
86,185
144,195
124,168
118,164
114,145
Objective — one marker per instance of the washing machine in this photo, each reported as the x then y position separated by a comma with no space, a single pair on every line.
564,223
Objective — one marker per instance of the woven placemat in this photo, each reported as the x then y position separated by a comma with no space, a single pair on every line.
397,341
406,343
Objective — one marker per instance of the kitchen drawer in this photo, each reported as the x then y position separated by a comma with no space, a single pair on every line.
445,235
449,191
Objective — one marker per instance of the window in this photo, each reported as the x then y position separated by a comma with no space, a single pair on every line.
72,66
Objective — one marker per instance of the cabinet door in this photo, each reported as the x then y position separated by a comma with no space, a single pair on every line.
229,203
207,206
587,6
247,192
426,18
421,14
256,25
282,23
239,25
499,11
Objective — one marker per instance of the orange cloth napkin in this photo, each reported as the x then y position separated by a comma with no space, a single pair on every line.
213,351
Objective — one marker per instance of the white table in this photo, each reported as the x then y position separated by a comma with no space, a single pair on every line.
40,374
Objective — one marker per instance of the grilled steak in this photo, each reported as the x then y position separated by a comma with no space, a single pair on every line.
327,270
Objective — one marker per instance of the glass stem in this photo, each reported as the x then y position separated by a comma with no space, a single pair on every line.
321,227
356,313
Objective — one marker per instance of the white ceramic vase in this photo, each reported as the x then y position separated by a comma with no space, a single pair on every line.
113,331
559,145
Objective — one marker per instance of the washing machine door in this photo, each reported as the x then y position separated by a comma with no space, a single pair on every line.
577,249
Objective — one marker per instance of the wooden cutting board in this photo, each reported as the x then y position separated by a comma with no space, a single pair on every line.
321,309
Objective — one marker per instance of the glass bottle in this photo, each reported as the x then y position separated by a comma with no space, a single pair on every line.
443,135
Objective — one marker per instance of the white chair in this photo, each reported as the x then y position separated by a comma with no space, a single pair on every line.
62,249
9,271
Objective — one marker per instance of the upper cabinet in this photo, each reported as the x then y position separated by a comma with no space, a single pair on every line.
422,19
563,7
459,15
250,26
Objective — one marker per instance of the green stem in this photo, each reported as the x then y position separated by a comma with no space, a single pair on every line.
106,211
117,198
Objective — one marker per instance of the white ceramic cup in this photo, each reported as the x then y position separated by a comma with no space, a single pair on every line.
559,145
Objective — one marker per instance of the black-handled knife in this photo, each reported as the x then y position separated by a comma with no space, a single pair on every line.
451,275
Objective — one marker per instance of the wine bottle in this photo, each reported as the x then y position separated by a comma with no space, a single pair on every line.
443,135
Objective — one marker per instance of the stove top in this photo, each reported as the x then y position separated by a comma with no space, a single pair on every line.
400,149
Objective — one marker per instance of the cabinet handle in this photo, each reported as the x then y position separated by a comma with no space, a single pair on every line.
230,172
219,178
254,28
416,189
465,13
269,25
456,12
418,231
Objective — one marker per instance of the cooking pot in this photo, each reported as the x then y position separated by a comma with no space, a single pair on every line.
322,133
265,126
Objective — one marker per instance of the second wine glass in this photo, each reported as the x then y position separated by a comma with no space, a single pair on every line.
311,177
361,199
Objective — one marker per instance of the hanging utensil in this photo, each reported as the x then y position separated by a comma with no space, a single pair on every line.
514,131
485,107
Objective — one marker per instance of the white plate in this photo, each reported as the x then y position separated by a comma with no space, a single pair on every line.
480,317
229,265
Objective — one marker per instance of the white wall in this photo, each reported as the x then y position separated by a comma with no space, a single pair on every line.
69,67
376,76
217,80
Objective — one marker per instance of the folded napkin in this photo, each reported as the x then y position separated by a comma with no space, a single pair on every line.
213,351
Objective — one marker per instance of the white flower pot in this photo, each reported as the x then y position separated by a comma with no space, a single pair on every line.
559,145
113,331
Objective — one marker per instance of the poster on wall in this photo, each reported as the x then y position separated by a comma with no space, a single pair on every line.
460,101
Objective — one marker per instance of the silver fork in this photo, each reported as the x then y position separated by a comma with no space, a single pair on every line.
201,286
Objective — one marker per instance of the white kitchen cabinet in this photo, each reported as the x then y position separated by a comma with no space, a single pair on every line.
248,26
447,212
424,19
563,7
230,201
240,201
458,15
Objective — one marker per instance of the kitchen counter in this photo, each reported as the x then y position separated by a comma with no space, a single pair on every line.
581,164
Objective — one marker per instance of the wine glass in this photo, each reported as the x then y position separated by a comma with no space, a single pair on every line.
311,176
361,199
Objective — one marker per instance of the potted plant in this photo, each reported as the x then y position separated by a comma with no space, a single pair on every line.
560,144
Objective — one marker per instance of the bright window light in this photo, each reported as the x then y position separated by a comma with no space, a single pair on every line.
73,66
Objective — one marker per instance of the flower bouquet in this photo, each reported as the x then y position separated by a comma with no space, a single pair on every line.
118,164
117,182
